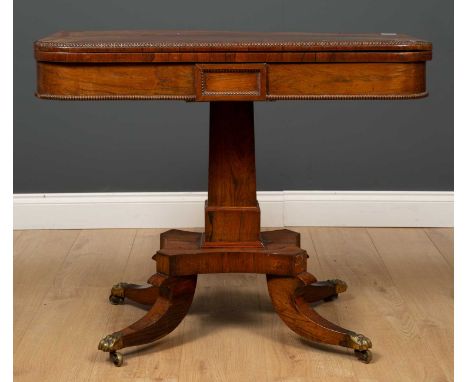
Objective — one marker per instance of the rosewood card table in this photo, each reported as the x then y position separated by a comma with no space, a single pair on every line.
230,70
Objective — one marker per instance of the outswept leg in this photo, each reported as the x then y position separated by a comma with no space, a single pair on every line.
141,294
171,306
289,297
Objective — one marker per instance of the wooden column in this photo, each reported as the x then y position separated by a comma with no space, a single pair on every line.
232,214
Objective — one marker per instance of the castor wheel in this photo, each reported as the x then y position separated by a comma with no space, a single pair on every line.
116,300
116,358
331,298
363,355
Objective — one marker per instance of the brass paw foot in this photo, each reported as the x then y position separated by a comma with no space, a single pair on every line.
340,287
358,342
117,295
111,342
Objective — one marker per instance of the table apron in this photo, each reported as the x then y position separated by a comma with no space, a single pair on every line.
231,82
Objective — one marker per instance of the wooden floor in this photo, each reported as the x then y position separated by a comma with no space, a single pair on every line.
400,295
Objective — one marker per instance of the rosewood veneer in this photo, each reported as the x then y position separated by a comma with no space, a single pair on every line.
230,70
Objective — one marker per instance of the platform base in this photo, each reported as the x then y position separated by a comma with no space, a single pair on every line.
172,288
183,253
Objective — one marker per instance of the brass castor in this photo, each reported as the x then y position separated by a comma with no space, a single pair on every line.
330,298
116,300
363,355
116,358
340,287
117,295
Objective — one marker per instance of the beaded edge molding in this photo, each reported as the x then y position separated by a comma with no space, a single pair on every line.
115,97
205,93
268,97
305,44
271,97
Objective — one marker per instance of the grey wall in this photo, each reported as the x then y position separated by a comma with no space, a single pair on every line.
163,146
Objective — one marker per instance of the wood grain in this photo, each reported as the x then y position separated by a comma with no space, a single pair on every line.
346,79
416,266
214,66
115,80
442,238
232,213
175,295
230,82
74,309
235,57
90,254
182,255
33,276
184,81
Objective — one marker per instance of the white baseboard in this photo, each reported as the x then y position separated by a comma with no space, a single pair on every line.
282,208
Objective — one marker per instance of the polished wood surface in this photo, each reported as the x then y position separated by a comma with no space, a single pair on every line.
185,82
235,57
289,302
232,213
80,66
211,66
175,295
406,303
346,79
202,41
184,253
230,82
114,81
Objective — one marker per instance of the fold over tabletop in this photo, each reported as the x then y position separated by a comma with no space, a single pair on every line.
211,65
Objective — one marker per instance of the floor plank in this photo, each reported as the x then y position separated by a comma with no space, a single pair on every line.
98,258
61,341
223,332
442,238
16,234
400,295
38,256
425,281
